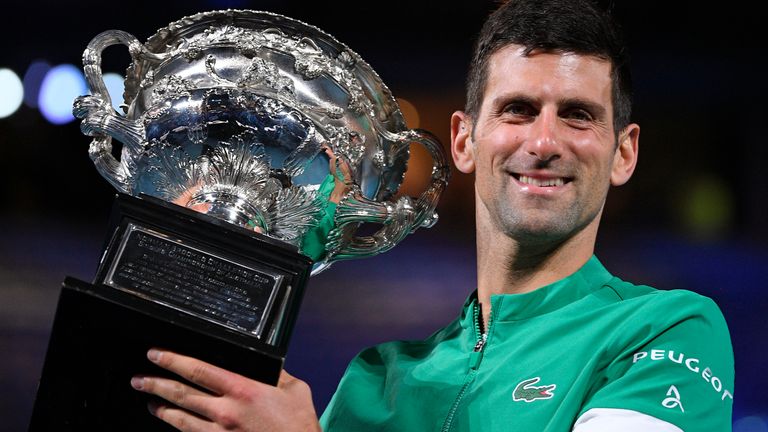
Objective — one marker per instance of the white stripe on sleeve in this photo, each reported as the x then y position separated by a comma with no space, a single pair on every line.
613,419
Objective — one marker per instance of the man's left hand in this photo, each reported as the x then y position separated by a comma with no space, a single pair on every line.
229,402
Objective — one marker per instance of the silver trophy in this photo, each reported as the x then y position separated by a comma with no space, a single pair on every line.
257,119
254,148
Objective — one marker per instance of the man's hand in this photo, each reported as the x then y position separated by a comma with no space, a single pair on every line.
342,175
231,402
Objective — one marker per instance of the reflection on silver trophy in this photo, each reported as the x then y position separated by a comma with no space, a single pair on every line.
265,122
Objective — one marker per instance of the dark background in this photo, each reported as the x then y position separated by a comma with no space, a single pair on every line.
693,216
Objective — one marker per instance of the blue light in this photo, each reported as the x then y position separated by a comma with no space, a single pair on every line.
750,424
33,79
61,85
115,86
12,92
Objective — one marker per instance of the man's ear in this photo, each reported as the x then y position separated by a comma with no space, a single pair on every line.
462,148
625,159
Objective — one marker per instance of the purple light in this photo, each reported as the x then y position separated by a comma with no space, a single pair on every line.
33,79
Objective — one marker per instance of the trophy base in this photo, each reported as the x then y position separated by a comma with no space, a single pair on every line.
99,341
169,278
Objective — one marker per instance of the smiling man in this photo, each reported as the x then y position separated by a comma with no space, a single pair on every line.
544,152
550,340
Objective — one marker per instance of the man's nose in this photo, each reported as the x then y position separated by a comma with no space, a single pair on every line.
544,142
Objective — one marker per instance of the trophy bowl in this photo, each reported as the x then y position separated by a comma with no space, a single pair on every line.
265,122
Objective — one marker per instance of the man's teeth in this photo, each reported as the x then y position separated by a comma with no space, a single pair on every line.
541,183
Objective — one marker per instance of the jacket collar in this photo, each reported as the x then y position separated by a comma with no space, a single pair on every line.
514,307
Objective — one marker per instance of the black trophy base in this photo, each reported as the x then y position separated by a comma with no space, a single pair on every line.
99,341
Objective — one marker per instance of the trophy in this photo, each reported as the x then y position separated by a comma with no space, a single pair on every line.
255,150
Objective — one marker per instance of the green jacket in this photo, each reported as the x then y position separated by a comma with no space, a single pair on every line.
313,242
588,341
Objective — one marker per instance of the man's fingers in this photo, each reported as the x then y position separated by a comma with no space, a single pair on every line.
181,419
285,379
176,393
293,385
196,371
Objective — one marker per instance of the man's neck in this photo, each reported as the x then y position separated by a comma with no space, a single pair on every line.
508,266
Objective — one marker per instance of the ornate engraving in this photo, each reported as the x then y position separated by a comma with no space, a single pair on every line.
346,143
239,170
378,159
293,212
171,87
264,72
149,79
309,60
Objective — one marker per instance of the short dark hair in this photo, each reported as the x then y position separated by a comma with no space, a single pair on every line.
577,26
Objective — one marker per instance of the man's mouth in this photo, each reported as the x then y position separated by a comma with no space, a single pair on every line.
542,182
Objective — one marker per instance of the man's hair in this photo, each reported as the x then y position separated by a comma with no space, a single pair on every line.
576,26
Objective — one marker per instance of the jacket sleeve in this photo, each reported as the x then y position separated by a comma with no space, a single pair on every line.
681,376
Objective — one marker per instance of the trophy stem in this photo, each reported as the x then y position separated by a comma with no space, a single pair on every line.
229,207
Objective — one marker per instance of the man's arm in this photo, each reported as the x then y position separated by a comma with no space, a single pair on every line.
225,400
674,370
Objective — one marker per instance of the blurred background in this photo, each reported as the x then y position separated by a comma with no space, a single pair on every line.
693,216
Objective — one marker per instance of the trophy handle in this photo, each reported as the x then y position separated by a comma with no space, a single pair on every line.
100,120
399,218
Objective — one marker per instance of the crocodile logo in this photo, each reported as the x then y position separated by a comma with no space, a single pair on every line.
527,391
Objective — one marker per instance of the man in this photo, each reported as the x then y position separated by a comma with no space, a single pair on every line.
550,340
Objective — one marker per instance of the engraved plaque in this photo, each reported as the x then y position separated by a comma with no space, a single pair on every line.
182,275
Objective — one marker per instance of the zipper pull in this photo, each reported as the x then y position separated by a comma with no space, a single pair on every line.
477,353
481,342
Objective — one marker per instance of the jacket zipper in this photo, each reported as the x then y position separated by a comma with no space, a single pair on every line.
474,363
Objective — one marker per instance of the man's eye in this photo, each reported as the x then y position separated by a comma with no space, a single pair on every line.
519,110
578,114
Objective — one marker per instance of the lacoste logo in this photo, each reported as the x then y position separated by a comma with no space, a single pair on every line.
673,401
527,391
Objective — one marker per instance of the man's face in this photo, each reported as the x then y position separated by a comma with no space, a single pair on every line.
543,145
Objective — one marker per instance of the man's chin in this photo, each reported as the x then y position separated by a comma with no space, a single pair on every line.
539,236
542,228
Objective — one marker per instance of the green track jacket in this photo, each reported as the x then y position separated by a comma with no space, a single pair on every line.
588,342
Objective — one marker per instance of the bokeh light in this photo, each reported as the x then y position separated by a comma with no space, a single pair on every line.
12,92
61,85
707,207
418,175
410,113
115,86
33,79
